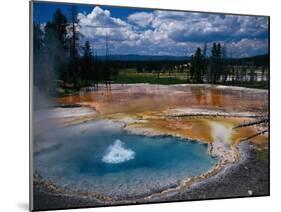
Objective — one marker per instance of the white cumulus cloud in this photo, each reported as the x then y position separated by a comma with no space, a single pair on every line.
142,19
176,33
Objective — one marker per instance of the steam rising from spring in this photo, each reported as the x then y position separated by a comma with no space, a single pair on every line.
221,133
221,145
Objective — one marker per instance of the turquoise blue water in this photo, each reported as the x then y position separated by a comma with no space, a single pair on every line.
101,157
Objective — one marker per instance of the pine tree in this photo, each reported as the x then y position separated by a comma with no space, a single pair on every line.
38,50
219,62
87,63
59,25
55,56
197,66
73,48
204,58
213,68
224,63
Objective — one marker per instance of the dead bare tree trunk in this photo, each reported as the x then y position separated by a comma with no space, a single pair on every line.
252,136
251,123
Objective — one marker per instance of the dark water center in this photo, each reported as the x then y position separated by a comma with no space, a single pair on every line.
100,157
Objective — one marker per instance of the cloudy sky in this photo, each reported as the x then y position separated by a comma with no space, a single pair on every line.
160,32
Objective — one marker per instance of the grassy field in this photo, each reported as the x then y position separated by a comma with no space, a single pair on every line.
130,76
258,85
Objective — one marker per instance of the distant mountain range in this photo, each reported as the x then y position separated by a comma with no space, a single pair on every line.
135,57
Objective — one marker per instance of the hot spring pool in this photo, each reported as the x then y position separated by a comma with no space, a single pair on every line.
100,157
